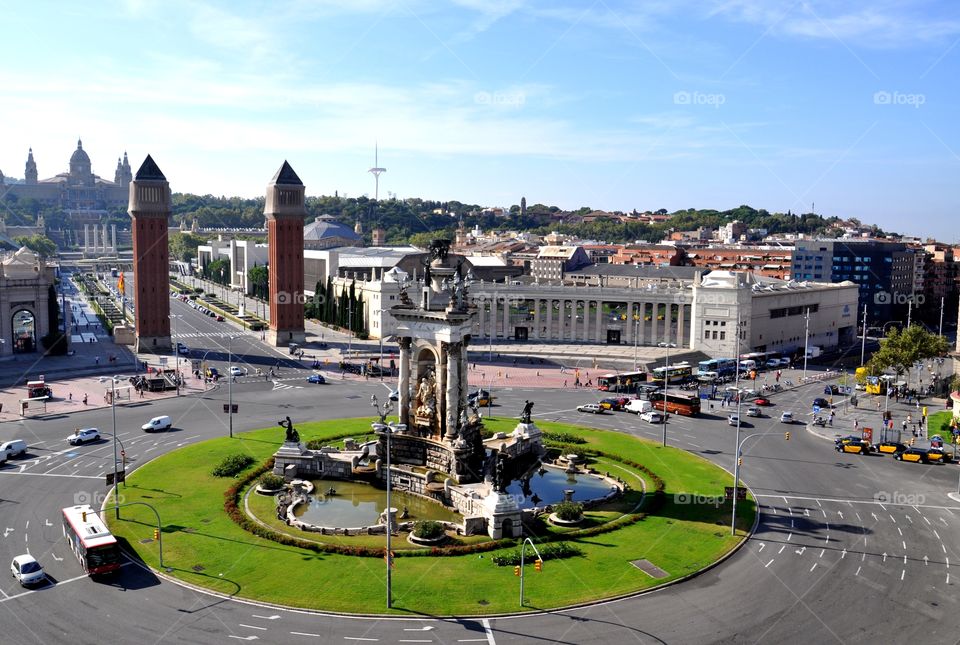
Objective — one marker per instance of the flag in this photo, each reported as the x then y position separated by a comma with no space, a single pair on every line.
120,284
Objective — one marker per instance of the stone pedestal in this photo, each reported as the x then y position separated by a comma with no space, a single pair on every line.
503,515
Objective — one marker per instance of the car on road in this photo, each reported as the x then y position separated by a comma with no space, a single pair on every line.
592,408
652,416
219,318
83,436
394,395
733,419
889,447
939,455
822,403
27,570
915,455
854,445
773,363
182,349
480,398
613,403
786,417
237,371
212,372
13,448
638,406
157,424
316,378
754,411
762,401
784,362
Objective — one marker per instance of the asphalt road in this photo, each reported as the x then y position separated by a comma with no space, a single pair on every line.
848,548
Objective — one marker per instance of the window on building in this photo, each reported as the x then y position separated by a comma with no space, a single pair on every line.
723,335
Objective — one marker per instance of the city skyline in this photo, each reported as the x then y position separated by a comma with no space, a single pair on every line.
609,106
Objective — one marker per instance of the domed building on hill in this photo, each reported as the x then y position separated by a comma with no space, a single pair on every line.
78,189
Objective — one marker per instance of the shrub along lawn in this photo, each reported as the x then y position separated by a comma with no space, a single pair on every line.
203,546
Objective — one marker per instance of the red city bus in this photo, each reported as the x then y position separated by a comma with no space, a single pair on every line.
687,405
90,540
621,381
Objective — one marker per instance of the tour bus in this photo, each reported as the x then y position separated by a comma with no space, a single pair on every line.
622,382
679,373
90,540
681,403
719,366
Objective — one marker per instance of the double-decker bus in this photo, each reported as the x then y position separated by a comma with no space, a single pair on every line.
719,366
679,373
90,540
623,382
681,403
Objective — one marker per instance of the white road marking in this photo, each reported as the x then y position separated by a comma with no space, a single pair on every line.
245,638
943,547
926,561
782,548
791,523
54,555
7,531
762,545
844,554
274,617
47,523
858,516
858,571
904,558
306,634
944,522
425,628
800,550
263,629
819,504
903,573
358,638
789,535
899,531
882,506
909,518
822,551
488,631
814,566
840,513
938,535
884,556
892,519
875,518
769,563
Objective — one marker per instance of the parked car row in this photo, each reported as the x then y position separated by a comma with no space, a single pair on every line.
900,451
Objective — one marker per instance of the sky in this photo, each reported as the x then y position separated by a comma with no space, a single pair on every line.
846,108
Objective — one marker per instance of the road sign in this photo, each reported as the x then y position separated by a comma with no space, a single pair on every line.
728,492
121,476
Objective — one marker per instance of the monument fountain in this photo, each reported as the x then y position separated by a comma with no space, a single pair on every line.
435,449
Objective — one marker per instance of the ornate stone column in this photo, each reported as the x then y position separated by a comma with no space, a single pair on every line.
481,309
654,323
596,332
493,316
113,239
404,385
630,323
549,318
681,322
506,317
586,321
573,319
464,362
536,317
86,239
642,323
452,390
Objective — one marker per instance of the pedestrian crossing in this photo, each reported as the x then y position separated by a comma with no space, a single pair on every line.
204,334
278,385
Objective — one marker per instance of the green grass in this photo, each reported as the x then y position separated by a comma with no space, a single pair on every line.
680,539
939,423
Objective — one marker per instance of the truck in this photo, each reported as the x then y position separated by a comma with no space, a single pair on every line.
37,389
813,351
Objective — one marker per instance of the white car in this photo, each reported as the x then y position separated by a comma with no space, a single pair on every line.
182,349
754,411
593,408
733,419
27,570
83,436
237,371
786,417
652,416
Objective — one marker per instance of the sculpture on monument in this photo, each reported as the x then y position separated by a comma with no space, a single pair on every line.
427,395
527,409
292,435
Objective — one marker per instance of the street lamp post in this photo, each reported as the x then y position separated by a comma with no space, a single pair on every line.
230,382
736,453
666,386
382,426
863,340
113,408
176,351
636,330
806,340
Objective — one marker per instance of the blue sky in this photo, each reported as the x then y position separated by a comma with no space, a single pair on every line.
614,105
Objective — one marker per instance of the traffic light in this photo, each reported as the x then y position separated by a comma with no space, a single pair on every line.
739,461
786,436
538,564
156,534
516,570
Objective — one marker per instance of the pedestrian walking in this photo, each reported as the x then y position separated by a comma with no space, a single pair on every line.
70,397
564,384
84,399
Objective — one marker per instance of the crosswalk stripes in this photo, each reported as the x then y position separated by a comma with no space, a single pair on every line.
277,385
203,334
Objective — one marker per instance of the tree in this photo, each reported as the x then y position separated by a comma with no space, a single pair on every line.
183,246
259,278
40,244
900,350
55,342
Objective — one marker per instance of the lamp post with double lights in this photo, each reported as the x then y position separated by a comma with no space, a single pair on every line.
230,382
113,406
736,452
176,351
388,429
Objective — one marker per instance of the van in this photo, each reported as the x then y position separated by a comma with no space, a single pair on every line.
638,406
746,366
157,423
14,448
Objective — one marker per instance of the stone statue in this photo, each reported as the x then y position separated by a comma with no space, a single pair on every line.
439,249
427,395
525,415
499,473
292,435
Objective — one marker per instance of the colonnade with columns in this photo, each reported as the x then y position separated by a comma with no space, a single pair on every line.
96,242
579,319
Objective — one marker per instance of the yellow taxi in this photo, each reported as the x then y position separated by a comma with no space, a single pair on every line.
916,455
889,447
854,444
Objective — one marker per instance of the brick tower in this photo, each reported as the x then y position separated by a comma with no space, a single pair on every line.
285,212
150,209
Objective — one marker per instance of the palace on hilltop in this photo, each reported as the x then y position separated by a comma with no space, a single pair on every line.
76,191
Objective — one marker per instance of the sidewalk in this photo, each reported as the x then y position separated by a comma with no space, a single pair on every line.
867,415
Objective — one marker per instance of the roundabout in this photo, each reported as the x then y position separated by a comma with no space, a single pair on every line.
614,549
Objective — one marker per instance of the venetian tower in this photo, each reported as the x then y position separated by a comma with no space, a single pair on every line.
285,211
150,210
